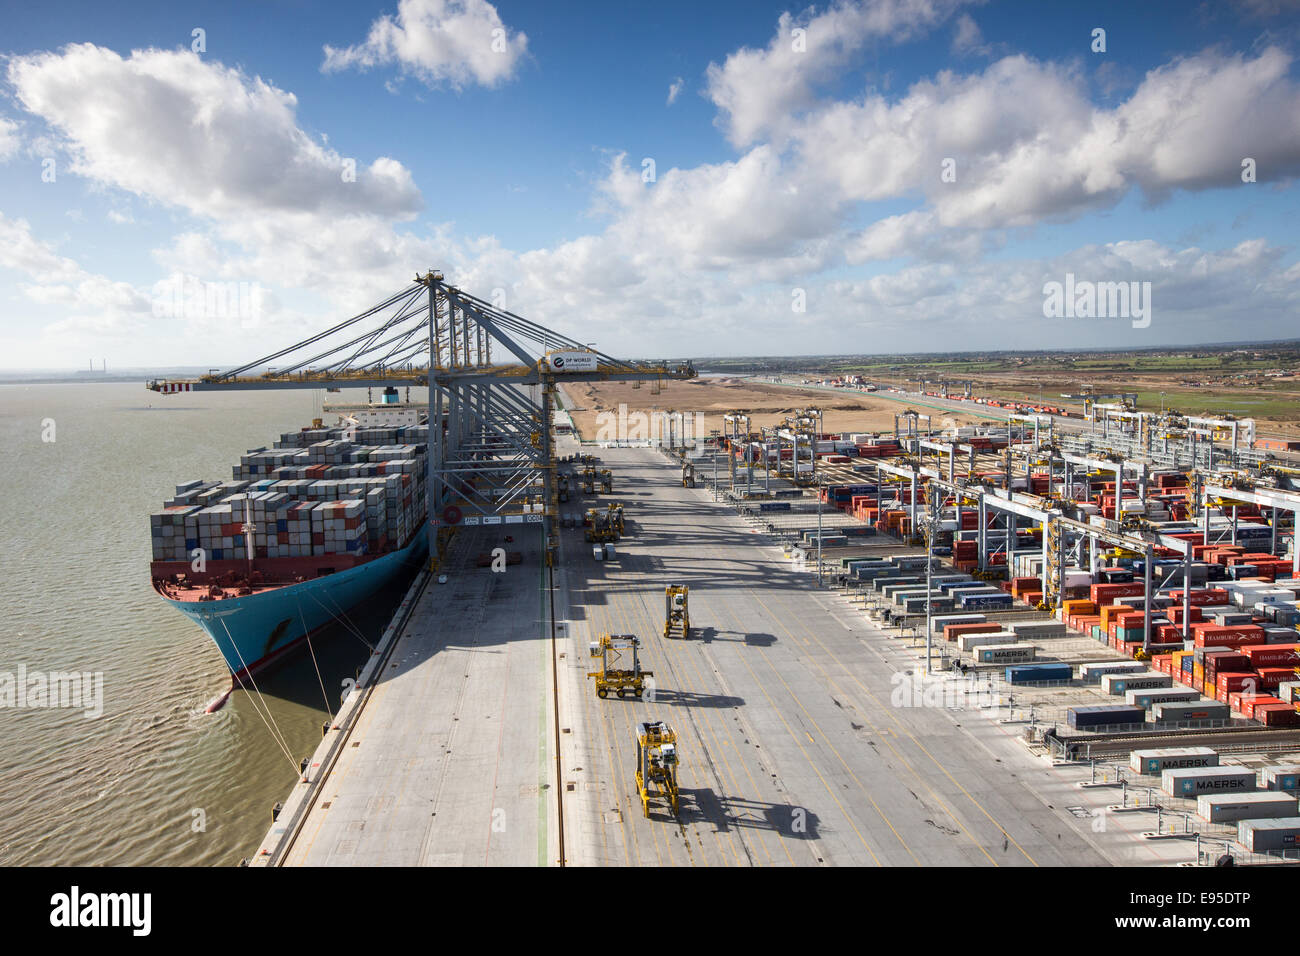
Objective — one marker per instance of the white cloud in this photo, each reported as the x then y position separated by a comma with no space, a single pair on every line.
760,91
202,136
968,38
103,304
457,42
22,251
10,141
675,90
704,258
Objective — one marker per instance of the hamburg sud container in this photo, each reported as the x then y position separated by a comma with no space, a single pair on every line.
1105,715
1171,758
1192,782
1268,836
1224,808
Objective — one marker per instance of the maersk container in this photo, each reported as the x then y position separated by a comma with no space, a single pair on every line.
1038,673
1106,715
1123,683
1148,698
1092,673
1269,836
1192,711
1282,778
1261,805
1005,653
1172,758
1193,782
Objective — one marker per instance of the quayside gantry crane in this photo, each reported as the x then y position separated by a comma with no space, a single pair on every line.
491,375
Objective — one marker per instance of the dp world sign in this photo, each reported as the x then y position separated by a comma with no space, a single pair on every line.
572,361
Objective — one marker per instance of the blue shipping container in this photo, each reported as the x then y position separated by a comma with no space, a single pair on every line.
1113,715
985,601
1035,673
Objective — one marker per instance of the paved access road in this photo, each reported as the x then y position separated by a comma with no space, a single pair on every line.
791,751
449,763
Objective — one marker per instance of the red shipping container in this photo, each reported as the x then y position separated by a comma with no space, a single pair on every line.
1209,597
1107,593
1272,655
1277,715
1270,677
1085,622
1021,584
1249,704
1229,635
1169,632
1227,683
1175,612
1238,699
1226,662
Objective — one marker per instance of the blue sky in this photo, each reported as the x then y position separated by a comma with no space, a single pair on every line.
518,170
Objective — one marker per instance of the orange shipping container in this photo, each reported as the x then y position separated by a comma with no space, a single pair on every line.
953,631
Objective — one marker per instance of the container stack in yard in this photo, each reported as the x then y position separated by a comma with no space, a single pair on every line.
1195,781
1238,662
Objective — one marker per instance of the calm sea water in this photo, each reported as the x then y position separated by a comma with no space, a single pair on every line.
153,780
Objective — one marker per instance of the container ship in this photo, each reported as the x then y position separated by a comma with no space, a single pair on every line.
303,532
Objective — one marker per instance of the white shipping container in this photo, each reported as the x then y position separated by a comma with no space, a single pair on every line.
1220,808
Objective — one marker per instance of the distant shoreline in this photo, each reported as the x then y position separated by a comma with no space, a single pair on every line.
87,380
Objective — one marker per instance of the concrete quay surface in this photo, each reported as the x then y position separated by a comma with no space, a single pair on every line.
793,750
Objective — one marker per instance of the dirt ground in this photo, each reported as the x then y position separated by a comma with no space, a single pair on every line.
595,406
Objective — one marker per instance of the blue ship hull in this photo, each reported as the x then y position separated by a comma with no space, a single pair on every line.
259,630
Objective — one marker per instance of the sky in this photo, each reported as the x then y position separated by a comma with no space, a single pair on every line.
200,184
